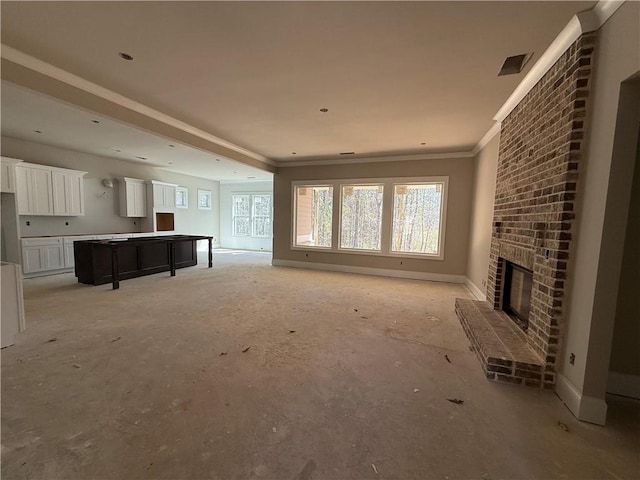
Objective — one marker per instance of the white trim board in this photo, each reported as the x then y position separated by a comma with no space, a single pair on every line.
624,384
585,408
473,288
51,71
381,272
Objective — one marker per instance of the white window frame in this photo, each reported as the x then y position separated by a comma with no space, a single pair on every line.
252,215
234,216
444,181
387,215
361,250
204,194
294,219
185,191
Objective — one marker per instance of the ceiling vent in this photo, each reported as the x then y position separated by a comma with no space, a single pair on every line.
515,64
347,153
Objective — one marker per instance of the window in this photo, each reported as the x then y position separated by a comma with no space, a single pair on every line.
261,215
251,215
182,199
361,217
313,207
240,215
394,217
204,199
417,215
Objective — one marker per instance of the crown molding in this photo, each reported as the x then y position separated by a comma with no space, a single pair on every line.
580,23
492,132
388,158
44,68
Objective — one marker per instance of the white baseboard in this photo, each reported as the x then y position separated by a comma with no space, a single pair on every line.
474,289
624,384
585,408
382,272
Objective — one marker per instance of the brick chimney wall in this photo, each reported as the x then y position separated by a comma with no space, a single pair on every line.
541,145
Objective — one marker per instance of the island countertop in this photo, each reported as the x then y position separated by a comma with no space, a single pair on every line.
108,261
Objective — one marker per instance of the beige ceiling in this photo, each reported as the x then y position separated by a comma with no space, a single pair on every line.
392,74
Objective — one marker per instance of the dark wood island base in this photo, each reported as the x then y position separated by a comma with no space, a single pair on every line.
108,261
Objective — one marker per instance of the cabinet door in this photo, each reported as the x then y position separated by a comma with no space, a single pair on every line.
54,257
59,193
7,178
33,259
68,255
140,200
74,189
23,190
169,194
41,193
158,196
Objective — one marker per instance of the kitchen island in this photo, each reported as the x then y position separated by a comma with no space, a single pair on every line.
108,261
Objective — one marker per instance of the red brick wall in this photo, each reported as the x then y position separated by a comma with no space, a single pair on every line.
541,143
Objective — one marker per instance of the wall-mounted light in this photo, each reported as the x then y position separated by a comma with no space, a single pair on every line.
107,182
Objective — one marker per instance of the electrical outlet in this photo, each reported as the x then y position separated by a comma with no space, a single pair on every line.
484,283
572,358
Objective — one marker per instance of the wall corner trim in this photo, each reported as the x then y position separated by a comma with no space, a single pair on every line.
492,132
381,272
583,22
624,384
585,408
474,289
32,63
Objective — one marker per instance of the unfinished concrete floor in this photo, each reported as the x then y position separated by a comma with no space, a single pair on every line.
346,378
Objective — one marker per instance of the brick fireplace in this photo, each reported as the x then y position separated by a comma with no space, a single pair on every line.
541,144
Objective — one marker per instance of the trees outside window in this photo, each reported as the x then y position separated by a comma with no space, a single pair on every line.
261,215
361,217
416,218
391,217
313,215
251,215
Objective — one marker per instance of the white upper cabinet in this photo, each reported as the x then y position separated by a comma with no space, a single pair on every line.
163,195
8,175
68,194
133,197
43,190
35,191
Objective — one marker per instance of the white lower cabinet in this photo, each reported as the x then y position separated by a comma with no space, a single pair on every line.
42,254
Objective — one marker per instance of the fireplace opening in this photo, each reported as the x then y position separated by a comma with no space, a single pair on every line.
517,293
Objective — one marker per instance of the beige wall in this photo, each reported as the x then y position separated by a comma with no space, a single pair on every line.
484,189
101,204
602,205
460,173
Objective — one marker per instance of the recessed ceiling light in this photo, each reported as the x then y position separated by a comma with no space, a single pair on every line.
324,110
142,158
423,143
294,153
38,131
217,159
515,64
95,121
170,163
126,56
172,146
116,150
